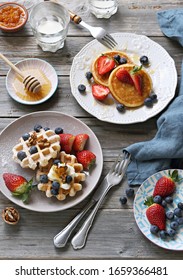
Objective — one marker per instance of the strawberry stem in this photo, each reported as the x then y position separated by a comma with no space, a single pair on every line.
135,69
149,201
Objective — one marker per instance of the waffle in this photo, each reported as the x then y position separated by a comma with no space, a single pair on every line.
127,94
47,144
58,172
103,79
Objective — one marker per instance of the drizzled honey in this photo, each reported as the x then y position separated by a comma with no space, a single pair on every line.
26,95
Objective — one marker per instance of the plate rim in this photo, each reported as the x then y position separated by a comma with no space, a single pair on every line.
140,187
122,121
53,90
28,206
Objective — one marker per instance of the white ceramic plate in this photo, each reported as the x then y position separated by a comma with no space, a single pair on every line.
9,137
162,72
32,63
145,190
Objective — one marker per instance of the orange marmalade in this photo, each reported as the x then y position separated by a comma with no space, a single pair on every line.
11,16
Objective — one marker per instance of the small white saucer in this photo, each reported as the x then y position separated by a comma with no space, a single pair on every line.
37,64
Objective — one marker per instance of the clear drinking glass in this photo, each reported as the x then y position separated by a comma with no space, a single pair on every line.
103,8
49,22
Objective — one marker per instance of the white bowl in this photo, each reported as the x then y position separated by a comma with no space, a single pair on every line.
37,64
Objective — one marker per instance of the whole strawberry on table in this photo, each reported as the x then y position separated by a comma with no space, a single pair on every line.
157,212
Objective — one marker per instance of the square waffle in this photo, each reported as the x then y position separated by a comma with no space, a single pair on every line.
57,172
46,146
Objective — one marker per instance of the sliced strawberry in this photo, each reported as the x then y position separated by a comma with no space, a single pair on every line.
86,158
100,92
137,78
79,142
124,76
105,64
18,185
66,142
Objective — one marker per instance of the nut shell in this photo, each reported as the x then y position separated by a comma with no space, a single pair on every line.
10,215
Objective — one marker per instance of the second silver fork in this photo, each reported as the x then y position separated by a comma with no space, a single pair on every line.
118,170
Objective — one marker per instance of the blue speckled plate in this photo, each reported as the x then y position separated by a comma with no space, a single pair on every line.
145,190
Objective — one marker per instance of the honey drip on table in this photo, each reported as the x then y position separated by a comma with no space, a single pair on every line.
26,95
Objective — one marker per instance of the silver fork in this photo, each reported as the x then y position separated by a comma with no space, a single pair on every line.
98,33
113,178
60,240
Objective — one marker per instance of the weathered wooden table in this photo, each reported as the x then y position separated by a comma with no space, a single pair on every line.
114,234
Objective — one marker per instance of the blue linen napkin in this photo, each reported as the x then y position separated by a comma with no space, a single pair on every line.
171,24
157,154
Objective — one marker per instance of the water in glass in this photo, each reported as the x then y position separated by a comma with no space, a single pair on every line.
103,8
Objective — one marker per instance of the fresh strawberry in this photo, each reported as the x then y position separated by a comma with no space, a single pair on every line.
155,213
86,158
18,185
66,142
124,76
79,142
165,186
100,92
137,78
105,64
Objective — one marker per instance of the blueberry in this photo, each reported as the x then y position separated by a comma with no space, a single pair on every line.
122,60
163,234
174,225
180,205
44,178
148,102
82,88
129,192
46,128
153,96
89,75
37,127
117,57
123,200
21,155
171,232
169,199
178,212
180,221
170,215
59,130
55,185
33,150
54,192
68,179
56,161
154,229
163,203
26,136
120,108
157,199
144,60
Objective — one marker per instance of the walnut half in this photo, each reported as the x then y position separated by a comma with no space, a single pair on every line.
10,215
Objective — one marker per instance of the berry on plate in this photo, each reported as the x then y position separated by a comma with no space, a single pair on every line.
100,92
80,141
86,158
124,76
66,142
18,185
105,64
165,186
137,79
155,214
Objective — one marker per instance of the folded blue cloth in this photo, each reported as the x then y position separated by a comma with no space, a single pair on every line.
171,24
157,154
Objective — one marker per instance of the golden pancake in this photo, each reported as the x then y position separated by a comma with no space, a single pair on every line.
103,79
126,93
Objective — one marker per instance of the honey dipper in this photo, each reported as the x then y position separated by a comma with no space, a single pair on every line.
30,82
